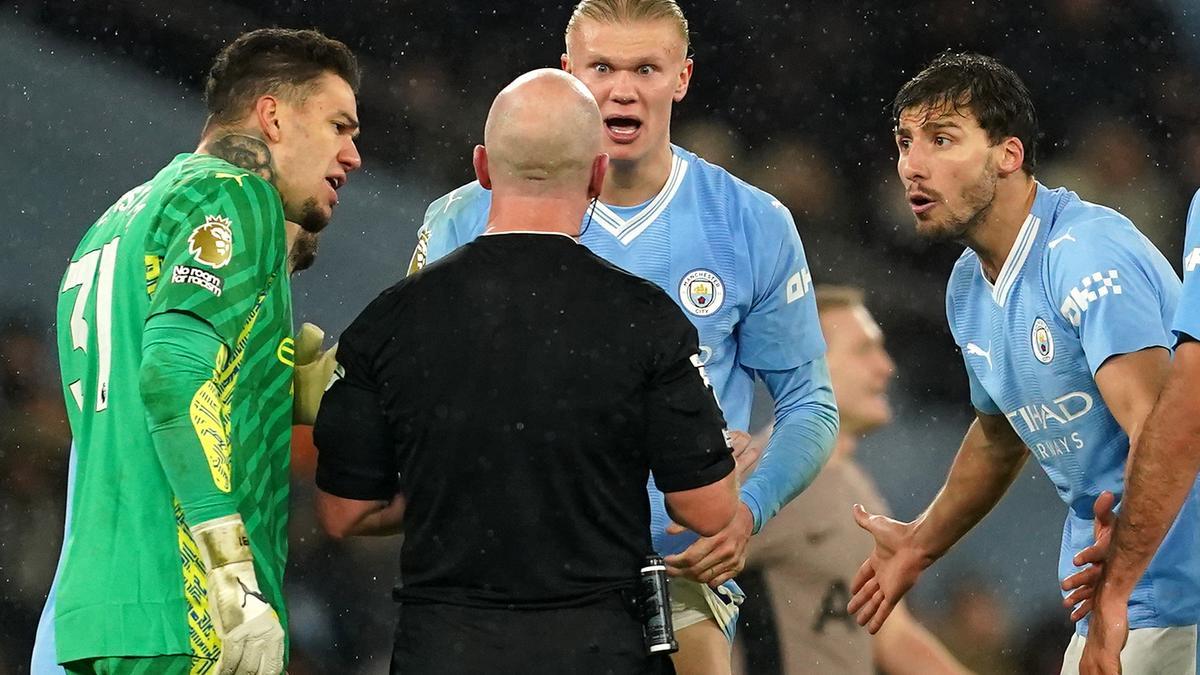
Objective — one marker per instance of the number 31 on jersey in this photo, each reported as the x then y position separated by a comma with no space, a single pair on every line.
93,272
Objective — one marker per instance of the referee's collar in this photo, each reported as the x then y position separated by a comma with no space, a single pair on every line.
559,234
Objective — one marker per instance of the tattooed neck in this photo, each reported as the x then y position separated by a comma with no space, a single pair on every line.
248,152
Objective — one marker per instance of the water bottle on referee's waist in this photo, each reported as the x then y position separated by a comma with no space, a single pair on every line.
654,593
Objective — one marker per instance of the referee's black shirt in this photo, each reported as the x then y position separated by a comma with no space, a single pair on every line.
518,392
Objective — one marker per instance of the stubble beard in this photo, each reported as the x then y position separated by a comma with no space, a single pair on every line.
304,251
977,200
310,218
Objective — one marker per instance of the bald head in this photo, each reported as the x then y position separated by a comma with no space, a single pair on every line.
543,135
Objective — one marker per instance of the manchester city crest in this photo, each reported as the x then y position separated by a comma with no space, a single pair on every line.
701,292
1041,341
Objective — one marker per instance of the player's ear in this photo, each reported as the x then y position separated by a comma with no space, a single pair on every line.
266,116
479,161
1012,156
565,62
599,169
685,78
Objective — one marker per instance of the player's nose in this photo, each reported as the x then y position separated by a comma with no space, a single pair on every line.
349,157
886,363
623,89
913,165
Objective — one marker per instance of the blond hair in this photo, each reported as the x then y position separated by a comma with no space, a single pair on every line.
830,297
614,11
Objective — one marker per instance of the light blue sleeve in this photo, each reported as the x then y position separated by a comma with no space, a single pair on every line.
44,660
1113,288
451,221
781,331
1187,316
980,399
806,425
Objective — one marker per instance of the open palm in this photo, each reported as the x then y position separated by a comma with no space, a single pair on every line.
884,578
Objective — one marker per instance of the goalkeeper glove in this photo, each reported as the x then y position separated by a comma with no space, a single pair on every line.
248,627
314,368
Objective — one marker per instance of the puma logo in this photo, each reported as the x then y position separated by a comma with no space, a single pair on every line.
1059,240
247,593
975,350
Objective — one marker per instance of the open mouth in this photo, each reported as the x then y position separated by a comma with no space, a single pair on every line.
334,183
622,128
921,202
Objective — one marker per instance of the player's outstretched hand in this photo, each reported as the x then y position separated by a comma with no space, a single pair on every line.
1081,586
716,559
884,578
746,453
314,367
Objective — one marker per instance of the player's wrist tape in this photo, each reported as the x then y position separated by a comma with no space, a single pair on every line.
222,541
234,595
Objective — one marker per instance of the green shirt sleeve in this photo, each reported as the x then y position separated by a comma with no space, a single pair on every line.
180,355
225,242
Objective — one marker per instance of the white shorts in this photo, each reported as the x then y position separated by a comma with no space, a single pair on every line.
1149,651
693,602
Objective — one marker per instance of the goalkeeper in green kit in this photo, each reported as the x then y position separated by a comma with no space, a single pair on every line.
177,359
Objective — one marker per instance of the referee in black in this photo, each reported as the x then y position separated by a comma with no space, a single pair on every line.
504,408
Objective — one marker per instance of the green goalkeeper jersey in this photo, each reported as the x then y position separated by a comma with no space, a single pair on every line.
204,238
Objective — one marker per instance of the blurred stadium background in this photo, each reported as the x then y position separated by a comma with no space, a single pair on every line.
95,96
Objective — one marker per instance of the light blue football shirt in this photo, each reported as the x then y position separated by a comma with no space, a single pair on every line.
1079,286
1187,317
730,256
1186,325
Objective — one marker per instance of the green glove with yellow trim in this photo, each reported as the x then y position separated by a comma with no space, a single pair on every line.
314,368
249,629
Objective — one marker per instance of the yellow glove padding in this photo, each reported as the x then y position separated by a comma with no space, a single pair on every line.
314,368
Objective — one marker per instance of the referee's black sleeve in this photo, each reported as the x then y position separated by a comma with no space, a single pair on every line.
685,437
355,454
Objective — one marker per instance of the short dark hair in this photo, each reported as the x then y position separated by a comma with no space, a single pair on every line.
991,91
278,61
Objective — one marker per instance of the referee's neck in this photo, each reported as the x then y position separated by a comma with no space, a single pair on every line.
560,214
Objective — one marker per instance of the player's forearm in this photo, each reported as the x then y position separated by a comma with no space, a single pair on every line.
806,424
904,647
986,465
800,446
182,405
1162,472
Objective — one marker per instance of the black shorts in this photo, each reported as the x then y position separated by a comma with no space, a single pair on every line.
602,638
